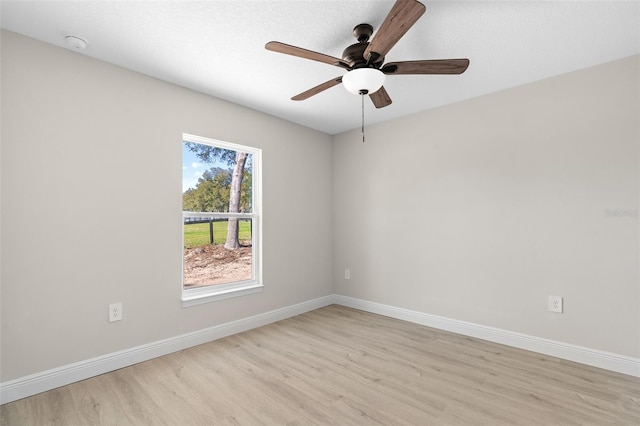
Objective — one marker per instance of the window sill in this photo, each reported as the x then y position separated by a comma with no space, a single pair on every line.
214,293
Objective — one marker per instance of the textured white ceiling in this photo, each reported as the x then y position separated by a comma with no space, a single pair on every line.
217,47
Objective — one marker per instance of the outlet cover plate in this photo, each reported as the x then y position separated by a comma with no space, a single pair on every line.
555,304
115,312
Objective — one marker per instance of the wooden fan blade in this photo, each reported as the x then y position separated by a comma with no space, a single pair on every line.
319,88
380,98
287,49
435,66
401,17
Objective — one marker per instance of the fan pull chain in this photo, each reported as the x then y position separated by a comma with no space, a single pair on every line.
362,97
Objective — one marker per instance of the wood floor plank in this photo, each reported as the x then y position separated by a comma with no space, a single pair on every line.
340,366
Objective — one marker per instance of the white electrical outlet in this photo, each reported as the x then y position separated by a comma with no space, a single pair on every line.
115,312
347,274
555,304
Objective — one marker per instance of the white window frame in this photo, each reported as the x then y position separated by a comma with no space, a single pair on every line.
211,293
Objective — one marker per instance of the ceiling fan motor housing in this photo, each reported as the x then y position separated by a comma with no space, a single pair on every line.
354,54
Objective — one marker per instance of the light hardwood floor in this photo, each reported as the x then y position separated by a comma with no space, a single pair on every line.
342,366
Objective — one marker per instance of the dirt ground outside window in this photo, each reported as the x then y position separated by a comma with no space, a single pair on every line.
214,264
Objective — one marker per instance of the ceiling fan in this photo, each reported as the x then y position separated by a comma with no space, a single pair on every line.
364,60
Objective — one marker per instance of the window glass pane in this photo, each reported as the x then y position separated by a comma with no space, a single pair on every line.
217,204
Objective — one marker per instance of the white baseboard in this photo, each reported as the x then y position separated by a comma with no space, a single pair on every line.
61,376
592,357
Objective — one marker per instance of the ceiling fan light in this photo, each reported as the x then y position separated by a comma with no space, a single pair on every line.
359,80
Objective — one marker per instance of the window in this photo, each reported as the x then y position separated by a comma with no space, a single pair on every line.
220,220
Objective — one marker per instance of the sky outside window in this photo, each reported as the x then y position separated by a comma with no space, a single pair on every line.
193,167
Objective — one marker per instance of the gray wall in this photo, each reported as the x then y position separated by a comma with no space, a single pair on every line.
478,211
87,147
